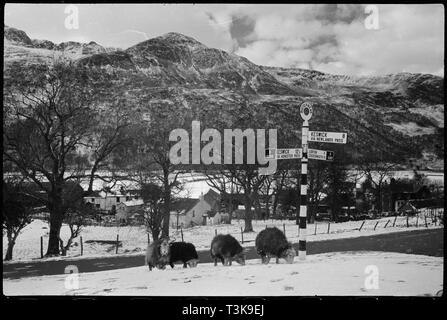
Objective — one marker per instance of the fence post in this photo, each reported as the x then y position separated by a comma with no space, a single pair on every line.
417,220
242,235
395,218
315,232
328,226
117,242
181,232
362,225
41,247
284,228
82,247
407,221
376,225
426,222
386,224
148,238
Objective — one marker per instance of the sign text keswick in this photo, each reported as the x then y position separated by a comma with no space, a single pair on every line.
328,137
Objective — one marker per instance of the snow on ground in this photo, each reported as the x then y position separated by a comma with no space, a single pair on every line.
344,274
134,238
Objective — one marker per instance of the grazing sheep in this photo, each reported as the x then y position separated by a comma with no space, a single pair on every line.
184,252
273,242
157,254
226,248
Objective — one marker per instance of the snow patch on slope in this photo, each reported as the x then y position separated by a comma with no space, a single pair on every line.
411,128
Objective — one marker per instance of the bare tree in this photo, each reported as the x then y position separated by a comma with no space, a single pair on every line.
152,195
377,173
266,191
337,186
318,175
77,215
149,152
17,210
51,121
241,178
225,184
247,178
281,179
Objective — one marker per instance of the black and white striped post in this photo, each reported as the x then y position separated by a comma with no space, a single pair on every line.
306,114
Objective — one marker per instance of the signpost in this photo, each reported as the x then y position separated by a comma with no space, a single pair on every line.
321,155
297,153
328,137
306,113
304,153
278,154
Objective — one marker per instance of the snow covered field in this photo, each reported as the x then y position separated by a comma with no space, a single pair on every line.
347,273
134,238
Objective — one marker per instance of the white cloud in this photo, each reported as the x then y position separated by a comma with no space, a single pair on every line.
335,40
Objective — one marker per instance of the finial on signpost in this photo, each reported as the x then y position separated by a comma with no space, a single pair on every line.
306,111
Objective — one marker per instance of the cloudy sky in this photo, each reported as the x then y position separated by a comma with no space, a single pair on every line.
329,38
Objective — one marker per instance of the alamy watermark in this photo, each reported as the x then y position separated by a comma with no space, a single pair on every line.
372,278
211,153
372,18
72,279
72,19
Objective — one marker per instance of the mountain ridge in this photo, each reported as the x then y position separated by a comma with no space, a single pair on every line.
402,112
18,37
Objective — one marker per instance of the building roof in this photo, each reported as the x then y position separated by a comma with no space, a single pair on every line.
133,203
184,204
407,206
212,197
92,194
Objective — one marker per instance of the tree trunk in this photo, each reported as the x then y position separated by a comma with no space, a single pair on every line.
248,214
53,241
166,204
155,234
311,212
380,200
65,248
258,212
92,174
11,243
56,218
230,208
267,208
275,204
9,251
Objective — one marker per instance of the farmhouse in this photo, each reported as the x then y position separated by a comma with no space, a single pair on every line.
106,202
218,217
188,212
130,210
407,208
406,195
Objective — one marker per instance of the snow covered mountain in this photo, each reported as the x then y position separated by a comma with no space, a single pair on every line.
400,116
